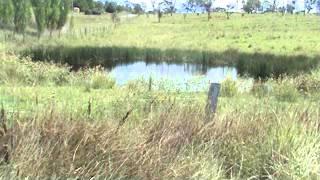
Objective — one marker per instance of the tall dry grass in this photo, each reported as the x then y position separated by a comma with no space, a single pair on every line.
277,143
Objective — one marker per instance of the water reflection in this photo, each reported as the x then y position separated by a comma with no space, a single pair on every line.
181,76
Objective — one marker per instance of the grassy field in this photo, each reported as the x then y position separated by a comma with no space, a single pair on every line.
269,33
278,44
60,123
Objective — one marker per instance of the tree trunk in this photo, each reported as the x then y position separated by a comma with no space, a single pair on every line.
159,16
209,15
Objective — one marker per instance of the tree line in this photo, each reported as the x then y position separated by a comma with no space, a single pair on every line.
97,7
47,14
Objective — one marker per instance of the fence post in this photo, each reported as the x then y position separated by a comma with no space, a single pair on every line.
212,100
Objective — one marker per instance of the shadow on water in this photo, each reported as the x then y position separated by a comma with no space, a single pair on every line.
257,65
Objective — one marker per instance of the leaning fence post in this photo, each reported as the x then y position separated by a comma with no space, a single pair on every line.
213,94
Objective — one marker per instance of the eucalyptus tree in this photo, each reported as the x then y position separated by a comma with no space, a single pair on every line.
190,5
63,16
6,12
251,5
206,5
170,6
157,7
22,15
39,11
53,14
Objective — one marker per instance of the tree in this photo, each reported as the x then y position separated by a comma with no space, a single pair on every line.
39,11
170,6
110,7
190,5
63,16
99,5
157,7
53,14
137,9
6,12
206,5
251,6
22,15
84,5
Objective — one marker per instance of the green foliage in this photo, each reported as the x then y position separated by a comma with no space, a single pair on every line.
39,9
6,12
22,15
110,7
64,11
53,14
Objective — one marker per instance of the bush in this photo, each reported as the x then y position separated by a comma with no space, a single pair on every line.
261,89
100,80
308,83
229,88
285,90
95,78
93,12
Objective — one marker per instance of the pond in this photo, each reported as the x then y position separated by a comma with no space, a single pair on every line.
177,76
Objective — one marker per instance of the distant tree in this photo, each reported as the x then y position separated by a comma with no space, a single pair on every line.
63,15
53,14
39,11
120,8
6,12
84,5
170,6
157,7
290,8
190,5
22,15
206,5
251,6
228,10
308,5
137,9
110,7
99,5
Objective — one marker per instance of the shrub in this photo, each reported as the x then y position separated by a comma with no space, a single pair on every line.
285,90
229,88
308,83
93,12
261,89
99,80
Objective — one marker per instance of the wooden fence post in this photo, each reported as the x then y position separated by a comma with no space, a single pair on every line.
212,100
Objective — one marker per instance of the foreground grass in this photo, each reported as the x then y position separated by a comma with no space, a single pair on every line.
72,127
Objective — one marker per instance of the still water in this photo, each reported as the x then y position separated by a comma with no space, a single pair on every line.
176,76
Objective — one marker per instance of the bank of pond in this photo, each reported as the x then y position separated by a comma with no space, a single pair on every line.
131,62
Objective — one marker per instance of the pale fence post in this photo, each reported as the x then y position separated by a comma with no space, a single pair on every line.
212,103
